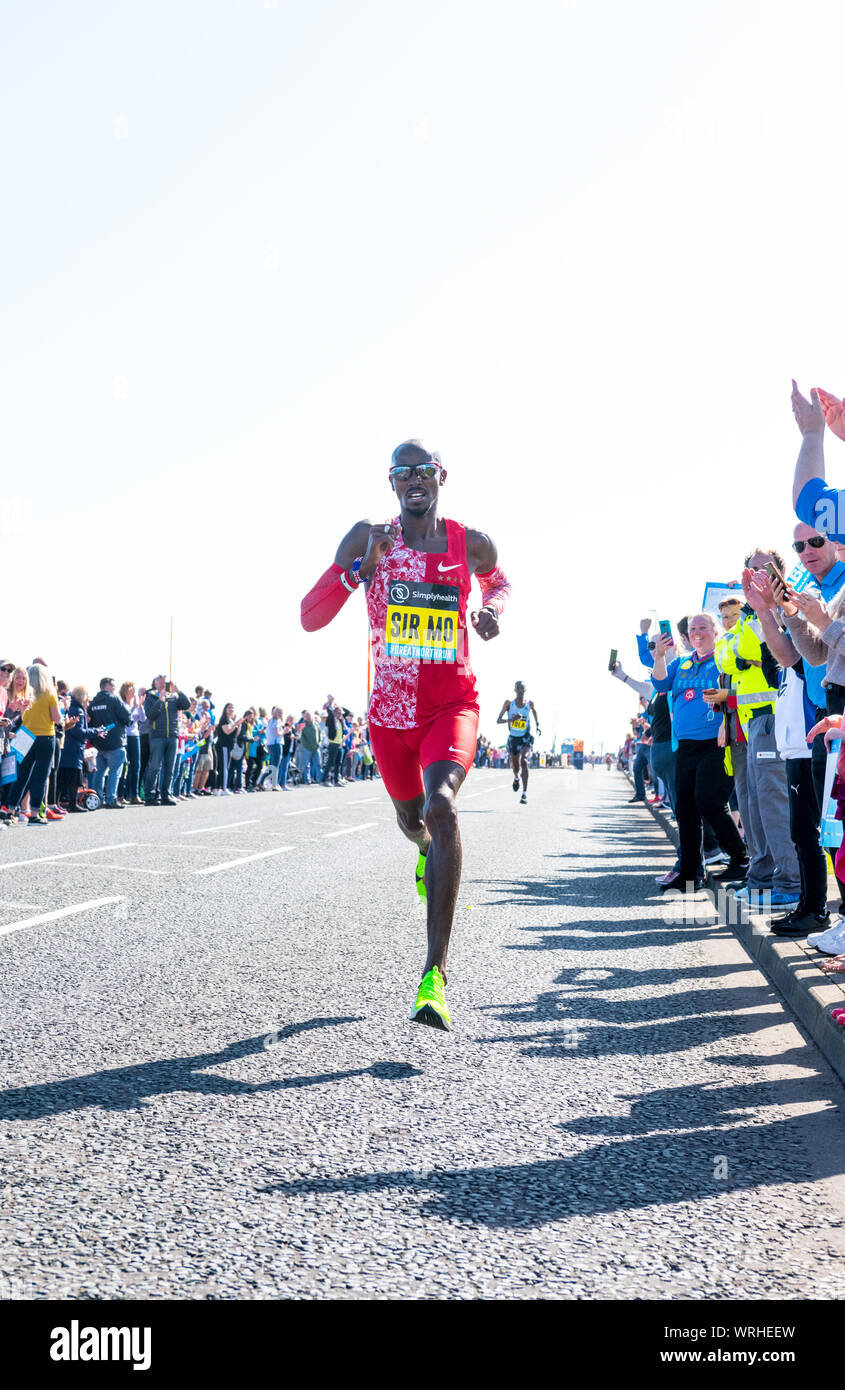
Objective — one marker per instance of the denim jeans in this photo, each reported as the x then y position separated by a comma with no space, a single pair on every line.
162,758
33,773
640,764
310,763
284,764
129,777
663,766
333,764
183,775
109,761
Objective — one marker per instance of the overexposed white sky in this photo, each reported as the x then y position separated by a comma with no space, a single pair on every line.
579,245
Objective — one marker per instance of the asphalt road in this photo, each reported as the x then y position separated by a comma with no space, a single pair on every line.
210,1088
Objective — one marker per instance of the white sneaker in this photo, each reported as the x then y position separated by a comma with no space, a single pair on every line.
227,791
716,856
830,942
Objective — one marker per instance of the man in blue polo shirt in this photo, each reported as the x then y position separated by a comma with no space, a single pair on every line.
820,507
819,557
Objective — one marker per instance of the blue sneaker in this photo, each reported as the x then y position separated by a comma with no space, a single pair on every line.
765,902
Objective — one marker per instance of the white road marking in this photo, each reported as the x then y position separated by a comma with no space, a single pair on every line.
208,829
60,912
349,829
127,868
233,863
44,858
310,810
364,801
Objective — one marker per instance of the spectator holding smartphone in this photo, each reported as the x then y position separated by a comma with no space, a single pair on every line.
795,718
702,785
745,659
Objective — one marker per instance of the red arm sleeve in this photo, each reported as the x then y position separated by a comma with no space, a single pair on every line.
495,589
325,600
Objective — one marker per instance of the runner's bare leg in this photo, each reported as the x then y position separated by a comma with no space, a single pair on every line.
443,781
409,817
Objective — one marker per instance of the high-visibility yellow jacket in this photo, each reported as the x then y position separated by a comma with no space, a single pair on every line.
750,686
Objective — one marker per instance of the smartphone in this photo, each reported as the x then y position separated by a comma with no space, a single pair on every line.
665,628
775,574
614,657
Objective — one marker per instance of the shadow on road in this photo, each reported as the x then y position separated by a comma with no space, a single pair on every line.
126,1088
619,1175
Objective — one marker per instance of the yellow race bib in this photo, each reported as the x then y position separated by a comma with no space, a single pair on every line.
422,620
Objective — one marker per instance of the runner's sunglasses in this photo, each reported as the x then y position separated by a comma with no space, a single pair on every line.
403,471
815,541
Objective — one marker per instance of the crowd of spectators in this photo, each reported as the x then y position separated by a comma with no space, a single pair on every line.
63,750
739,716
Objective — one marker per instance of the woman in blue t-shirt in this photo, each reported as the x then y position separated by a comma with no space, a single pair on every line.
702,786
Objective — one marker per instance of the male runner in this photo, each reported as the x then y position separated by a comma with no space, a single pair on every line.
517,715
423,714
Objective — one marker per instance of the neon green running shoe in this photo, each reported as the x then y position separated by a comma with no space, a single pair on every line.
430,1007
421,877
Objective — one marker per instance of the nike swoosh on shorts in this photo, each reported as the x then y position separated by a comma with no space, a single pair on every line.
444,568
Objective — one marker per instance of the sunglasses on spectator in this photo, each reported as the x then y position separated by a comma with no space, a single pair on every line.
402,472
8,669
815,541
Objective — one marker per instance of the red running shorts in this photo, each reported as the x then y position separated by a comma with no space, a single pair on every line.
403,754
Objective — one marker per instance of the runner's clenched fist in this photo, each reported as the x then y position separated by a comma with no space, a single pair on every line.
381,540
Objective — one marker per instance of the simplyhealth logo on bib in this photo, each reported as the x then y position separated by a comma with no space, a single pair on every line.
422,620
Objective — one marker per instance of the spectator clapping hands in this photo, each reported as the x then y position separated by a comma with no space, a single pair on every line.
813,609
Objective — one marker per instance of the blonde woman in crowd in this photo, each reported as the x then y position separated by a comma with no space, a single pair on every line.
39,719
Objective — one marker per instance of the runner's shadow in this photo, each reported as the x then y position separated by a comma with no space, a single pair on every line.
704,1003
667,936
712,1104
618,977
126,1088
575,1036
618,1176
600,855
